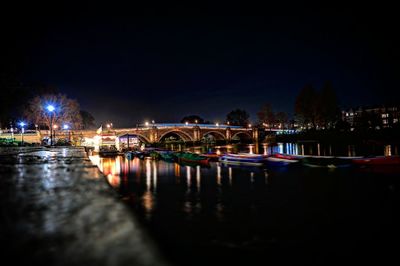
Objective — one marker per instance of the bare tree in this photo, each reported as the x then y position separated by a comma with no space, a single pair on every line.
66,111
267,116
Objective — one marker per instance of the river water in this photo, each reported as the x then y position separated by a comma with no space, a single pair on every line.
258,215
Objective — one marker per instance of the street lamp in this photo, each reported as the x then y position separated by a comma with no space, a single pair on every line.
22,124
66,127
51,109
147,124
54,132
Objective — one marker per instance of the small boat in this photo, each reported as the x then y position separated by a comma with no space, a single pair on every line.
132,154
108,152
212,156
188,157
326,161
280,159
166,155
244,159
377,161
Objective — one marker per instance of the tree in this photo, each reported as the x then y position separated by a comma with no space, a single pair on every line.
238,117
328,110
306,106
193,119
87,119
282,118
66,111
266,115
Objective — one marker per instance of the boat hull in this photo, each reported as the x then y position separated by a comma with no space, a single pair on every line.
244,159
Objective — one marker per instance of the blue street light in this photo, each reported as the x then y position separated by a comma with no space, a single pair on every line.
22,124
65,127
51,109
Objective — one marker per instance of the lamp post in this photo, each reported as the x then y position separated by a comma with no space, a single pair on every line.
54,132
22,124
66,127
51,109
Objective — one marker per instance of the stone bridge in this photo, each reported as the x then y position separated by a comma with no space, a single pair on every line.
154,133
188,132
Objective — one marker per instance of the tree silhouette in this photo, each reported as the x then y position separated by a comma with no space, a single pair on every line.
282,118
193,119
238,117
266,115
66,111
87,119
306,106
327,110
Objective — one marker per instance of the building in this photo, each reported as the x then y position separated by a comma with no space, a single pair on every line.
375,117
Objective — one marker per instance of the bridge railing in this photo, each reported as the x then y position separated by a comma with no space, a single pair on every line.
173,125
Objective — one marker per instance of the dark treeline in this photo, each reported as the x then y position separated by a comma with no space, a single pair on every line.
317,109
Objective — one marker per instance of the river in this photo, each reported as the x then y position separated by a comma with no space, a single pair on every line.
257,215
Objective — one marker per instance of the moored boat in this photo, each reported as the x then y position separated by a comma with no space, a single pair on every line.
188,157
167,155
377,161
326,161
106,151
283,159
212,156
244,158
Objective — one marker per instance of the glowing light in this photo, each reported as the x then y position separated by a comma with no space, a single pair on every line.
50,108
251,149
227,122
65,127
217,124
55,126
249,125
22,124
146,123
186,123
195,121
108,125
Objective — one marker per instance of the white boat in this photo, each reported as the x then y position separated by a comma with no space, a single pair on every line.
244,159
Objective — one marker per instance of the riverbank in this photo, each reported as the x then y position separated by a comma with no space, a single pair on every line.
56,209
366,137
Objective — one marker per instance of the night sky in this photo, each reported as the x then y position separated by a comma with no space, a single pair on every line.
128,64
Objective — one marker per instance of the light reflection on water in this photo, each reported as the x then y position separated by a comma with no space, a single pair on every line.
147,174
121,171
195,210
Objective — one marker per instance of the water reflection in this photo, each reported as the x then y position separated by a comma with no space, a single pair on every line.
196,211
140,180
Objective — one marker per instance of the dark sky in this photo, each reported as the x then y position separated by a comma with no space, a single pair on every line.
128,64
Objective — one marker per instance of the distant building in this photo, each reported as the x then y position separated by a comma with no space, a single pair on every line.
375,117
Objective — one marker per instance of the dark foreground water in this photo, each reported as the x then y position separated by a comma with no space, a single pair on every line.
262,216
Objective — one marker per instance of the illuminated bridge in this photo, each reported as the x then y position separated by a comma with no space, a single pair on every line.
154,133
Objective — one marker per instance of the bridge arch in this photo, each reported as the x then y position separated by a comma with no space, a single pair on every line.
183,135
141,137
242,135
216,134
